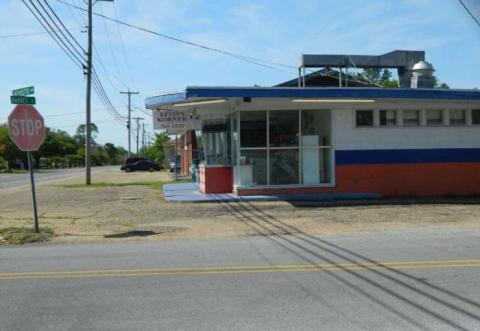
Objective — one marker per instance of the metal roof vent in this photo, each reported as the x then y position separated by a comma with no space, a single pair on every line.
422,75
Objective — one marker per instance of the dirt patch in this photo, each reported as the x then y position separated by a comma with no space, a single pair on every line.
125,210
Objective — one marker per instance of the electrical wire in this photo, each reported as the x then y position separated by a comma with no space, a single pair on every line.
27,34
107,32
122,44
249,59
78,62
469,12
104,69
74,52
63,25
142,110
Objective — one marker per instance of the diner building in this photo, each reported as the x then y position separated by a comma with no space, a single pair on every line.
345,140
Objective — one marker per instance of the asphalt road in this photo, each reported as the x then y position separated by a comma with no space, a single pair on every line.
18,179
397,280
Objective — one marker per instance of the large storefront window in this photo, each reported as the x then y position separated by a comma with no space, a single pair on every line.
252,169
214,142
284,147
283,125
253,129
284,166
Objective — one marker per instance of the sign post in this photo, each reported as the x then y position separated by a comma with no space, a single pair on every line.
27,130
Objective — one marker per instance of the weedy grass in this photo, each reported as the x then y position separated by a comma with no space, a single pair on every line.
21,235
155,184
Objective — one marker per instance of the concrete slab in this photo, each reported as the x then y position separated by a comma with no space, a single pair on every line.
189,192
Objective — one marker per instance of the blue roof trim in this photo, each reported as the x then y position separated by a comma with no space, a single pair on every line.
376,93
310,92
165,99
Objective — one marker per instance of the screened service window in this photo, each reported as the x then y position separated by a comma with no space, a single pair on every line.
434,117
411,118
476,116
364,118
458,117
388,117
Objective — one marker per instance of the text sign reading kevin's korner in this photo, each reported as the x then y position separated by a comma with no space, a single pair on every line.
172,120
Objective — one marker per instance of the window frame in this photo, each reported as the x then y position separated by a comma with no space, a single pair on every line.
471,116
419,121
300,147
465,117
442,120
397,121
355,122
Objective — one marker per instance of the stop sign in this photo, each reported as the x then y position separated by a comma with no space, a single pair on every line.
26,127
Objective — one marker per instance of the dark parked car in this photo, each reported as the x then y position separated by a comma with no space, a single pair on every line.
130,160
149,165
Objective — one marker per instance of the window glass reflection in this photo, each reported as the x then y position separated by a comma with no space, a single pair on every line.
284,166
284,128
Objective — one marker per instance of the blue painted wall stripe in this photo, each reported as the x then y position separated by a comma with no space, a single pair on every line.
405,156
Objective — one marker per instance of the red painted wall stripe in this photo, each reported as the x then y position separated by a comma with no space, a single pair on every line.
395,180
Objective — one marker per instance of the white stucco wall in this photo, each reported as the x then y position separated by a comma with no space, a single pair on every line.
348,137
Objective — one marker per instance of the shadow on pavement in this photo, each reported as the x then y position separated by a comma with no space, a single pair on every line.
407,289
130,234
388,201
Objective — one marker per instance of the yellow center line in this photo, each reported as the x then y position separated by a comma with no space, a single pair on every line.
441,264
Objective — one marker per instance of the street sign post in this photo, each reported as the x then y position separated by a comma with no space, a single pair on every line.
22,100
27,130
23,91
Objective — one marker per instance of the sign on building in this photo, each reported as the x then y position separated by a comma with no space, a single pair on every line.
173,120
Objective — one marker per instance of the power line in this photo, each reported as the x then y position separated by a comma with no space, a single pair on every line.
142,110
27,34
79,62
469,12
61,23
64,41
249,59
123,47
107,32
80,53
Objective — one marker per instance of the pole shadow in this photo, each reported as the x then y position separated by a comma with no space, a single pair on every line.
298,243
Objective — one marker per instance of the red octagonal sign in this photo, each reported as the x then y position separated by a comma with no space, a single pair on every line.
26,127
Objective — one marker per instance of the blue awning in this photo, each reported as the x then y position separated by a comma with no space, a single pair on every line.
200,93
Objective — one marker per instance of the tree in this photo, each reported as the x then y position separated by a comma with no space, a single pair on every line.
371,74
57,144
80,133
379,77
10,150
111,151
157,150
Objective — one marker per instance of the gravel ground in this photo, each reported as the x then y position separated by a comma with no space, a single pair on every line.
136,212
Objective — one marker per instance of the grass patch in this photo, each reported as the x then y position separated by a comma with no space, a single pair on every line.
18,235
155,185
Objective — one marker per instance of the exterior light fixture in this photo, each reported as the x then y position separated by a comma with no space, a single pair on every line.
198,103
334,100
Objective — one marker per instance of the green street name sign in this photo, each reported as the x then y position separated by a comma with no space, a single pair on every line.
21,100
23,91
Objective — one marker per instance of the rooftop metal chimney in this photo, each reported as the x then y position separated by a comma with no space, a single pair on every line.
401,60
422,75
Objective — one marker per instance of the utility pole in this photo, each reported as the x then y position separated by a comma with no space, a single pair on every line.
138,119
129,120
88,71
143,139
88,133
